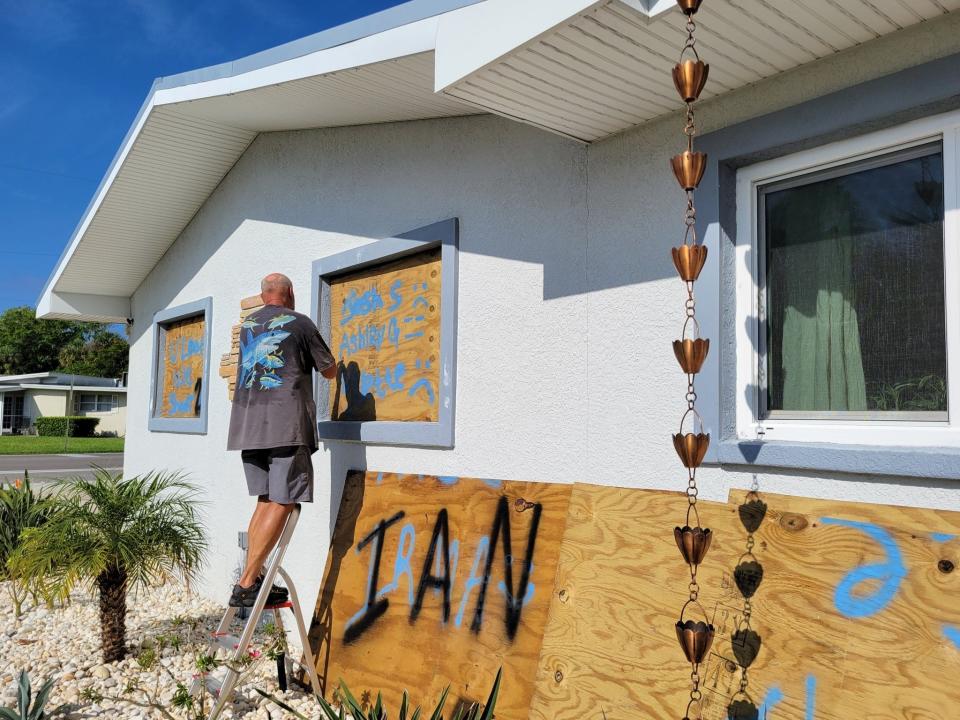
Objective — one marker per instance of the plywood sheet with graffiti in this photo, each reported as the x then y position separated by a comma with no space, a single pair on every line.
855,611
180,377
385,331
228,361
436,581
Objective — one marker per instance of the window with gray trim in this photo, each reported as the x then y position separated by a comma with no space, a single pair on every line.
389,311
852,297
181,368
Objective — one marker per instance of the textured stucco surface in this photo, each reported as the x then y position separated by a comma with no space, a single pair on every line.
567,300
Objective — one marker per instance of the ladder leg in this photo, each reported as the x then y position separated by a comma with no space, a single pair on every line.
309,660
231,677
221,630
282,661
226,691
271,573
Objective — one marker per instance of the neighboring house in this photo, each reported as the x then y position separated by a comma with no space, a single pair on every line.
24,398
546,128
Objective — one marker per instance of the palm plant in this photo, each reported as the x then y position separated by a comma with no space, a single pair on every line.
115,534
20,508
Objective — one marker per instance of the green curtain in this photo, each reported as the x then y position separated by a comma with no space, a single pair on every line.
820,350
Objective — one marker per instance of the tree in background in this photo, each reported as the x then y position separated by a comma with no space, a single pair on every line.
99,352
29,345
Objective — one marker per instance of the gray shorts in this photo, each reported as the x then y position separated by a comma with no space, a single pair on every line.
283,474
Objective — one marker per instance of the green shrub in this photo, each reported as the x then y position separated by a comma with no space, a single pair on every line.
56,426
20,508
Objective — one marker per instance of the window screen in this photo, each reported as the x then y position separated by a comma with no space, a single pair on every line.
852,290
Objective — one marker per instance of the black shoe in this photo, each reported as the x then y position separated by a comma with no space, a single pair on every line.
246,597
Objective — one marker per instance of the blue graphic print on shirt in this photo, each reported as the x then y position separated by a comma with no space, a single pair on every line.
260,353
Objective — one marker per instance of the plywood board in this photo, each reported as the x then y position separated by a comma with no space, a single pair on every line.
390,625
183,348
385,331
857,611
228,361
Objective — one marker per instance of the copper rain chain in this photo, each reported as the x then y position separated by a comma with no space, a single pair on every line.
695,636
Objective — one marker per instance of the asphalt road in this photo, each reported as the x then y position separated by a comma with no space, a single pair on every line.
46,467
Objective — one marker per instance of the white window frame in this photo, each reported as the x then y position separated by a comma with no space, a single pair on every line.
98,399
880,432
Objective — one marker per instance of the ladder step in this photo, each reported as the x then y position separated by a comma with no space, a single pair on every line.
213,681
230,643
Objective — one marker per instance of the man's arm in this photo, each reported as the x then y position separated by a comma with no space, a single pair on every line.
320,354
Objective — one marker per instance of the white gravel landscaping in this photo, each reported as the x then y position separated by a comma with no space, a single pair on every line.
65,643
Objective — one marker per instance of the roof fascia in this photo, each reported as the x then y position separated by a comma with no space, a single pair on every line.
364,27
409,39
54,304
28,376
105,389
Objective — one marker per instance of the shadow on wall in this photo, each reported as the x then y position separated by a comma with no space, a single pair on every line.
348,460
349,402
520,193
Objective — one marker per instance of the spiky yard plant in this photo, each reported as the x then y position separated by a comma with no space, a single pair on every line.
350,705
29,707
115,534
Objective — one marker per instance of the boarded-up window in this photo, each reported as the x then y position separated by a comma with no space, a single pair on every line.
385,332
388,310
180,368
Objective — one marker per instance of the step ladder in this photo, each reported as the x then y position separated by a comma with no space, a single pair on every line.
222,688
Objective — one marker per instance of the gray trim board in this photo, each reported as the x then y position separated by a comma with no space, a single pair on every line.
196,426
443,234
915,92
923,462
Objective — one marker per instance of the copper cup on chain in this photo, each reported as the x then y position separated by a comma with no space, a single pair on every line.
689,7
690,77
691,354
695,636
688,168
689,261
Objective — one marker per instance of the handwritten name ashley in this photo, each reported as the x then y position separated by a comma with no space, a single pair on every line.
440,568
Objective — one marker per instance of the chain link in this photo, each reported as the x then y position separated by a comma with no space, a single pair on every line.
690,397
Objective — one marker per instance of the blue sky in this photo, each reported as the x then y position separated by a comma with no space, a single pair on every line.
73,75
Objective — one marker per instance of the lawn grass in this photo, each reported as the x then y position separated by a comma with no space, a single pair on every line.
30,445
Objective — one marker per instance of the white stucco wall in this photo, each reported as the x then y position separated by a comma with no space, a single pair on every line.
567,302
40,403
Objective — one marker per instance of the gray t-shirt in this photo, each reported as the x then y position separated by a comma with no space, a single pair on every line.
273,403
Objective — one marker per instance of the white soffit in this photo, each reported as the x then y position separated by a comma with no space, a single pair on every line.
606,68
192,131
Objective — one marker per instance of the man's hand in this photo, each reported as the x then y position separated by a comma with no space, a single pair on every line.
330,372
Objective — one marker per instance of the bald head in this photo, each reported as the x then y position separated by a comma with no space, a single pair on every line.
276,289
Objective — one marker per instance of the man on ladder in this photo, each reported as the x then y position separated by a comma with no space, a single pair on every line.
273,422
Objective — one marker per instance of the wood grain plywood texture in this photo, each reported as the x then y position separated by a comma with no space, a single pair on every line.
385,331
181,378
398,639
856,610
230,360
